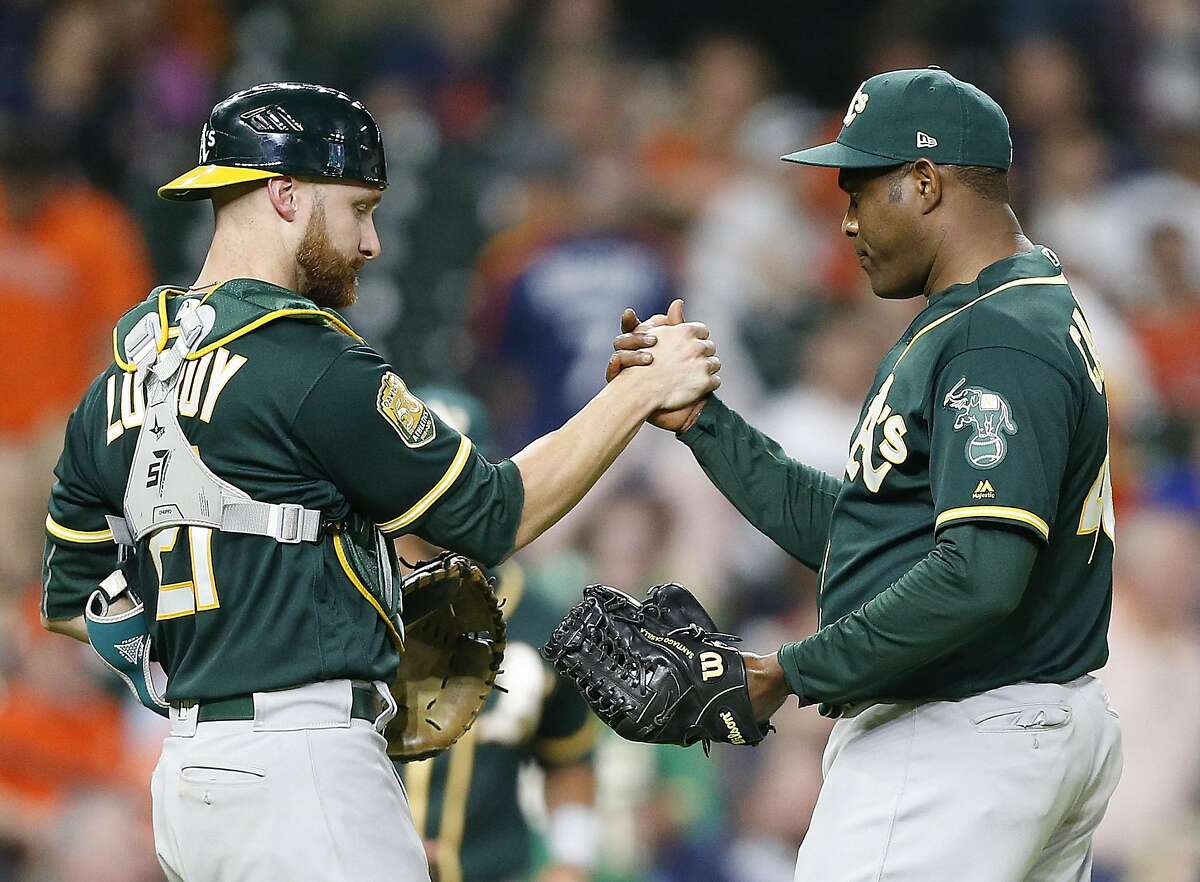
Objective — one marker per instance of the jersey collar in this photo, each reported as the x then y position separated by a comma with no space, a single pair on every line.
241,305
1040,262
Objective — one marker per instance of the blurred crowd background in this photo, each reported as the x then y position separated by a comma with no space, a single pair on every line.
551,163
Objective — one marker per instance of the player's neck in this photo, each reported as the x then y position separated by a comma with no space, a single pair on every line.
961,257
235,255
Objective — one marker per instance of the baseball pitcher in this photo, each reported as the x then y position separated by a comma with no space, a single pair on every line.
965,556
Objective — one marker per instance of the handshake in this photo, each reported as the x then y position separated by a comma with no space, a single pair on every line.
672,360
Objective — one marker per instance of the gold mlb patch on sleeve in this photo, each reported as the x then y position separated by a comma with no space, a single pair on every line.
405,412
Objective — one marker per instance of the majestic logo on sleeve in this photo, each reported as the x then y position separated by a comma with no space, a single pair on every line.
405,412
990,418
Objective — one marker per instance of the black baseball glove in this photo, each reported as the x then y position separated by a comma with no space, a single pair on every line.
658,671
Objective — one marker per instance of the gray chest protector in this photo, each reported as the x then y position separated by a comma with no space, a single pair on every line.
169,486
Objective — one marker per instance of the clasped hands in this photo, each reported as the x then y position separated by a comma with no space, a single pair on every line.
636,347
679,352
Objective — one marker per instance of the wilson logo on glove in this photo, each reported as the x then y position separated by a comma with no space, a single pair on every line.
711,665
633,663
735,734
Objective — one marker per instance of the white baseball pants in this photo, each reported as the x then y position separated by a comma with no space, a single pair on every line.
1004,786
302,792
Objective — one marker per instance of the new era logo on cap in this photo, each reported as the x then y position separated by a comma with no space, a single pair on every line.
924,140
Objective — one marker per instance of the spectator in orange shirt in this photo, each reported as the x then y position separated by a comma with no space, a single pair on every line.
71,261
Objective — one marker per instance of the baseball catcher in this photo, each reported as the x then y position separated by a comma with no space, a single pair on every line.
658,671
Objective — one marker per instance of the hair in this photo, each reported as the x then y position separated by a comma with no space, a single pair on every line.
223,196
987,183
895,176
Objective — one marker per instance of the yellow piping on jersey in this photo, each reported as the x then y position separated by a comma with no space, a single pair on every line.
164,328
568,748
332,320
84,537
1002,512
422,505
1060,279
362,589
164,331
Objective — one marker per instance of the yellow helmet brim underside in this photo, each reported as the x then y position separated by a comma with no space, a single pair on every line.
203,179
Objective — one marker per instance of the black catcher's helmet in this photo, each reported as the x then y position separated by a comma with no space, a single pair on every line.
284,129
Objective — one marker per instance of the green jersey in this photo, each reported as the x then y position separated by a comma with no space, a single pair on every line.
284,401
989,410
466,798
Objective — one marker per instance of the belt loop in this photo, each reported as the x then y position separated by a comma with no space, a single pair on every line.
184,719
389,706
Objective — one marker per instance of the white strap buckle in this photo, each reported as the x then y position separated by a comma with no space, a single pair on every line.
114,585
287,522
141,343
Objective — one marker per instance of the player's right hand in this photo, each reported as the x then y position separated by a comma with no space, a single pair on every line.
632,348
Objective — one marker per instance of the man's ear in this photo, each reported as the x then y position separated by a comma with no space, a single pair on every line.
282,193
928,179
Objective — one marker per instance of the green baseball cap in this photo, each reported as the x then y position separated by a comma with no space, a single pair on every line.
904,115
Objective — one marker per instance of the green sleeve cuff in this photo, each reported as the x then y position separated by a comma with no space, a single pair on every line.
791,671
706,423
480,514
514,492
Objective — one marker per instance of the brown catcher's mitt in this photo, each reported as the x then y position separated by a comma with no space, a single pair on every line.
453,646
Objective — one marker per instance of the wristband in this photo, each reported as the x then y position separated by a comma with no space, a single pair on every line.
571,837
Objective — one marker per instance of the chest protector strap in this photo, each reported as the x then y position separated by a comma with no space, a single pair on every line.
169,485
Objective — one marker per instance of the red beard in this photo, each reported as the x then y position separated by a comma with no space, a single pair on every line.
326,278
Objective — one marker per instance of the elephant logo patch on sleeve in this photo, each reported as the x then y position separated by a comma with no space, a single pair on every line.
988,415
405,412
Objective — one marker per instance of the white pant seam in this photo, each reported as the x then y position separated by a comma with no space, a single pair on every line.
887,843
312,765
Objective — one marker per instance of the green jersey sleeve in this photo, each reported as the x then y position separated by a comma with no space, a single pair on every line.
399,464
789,502
79,550
1001,427
974,577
